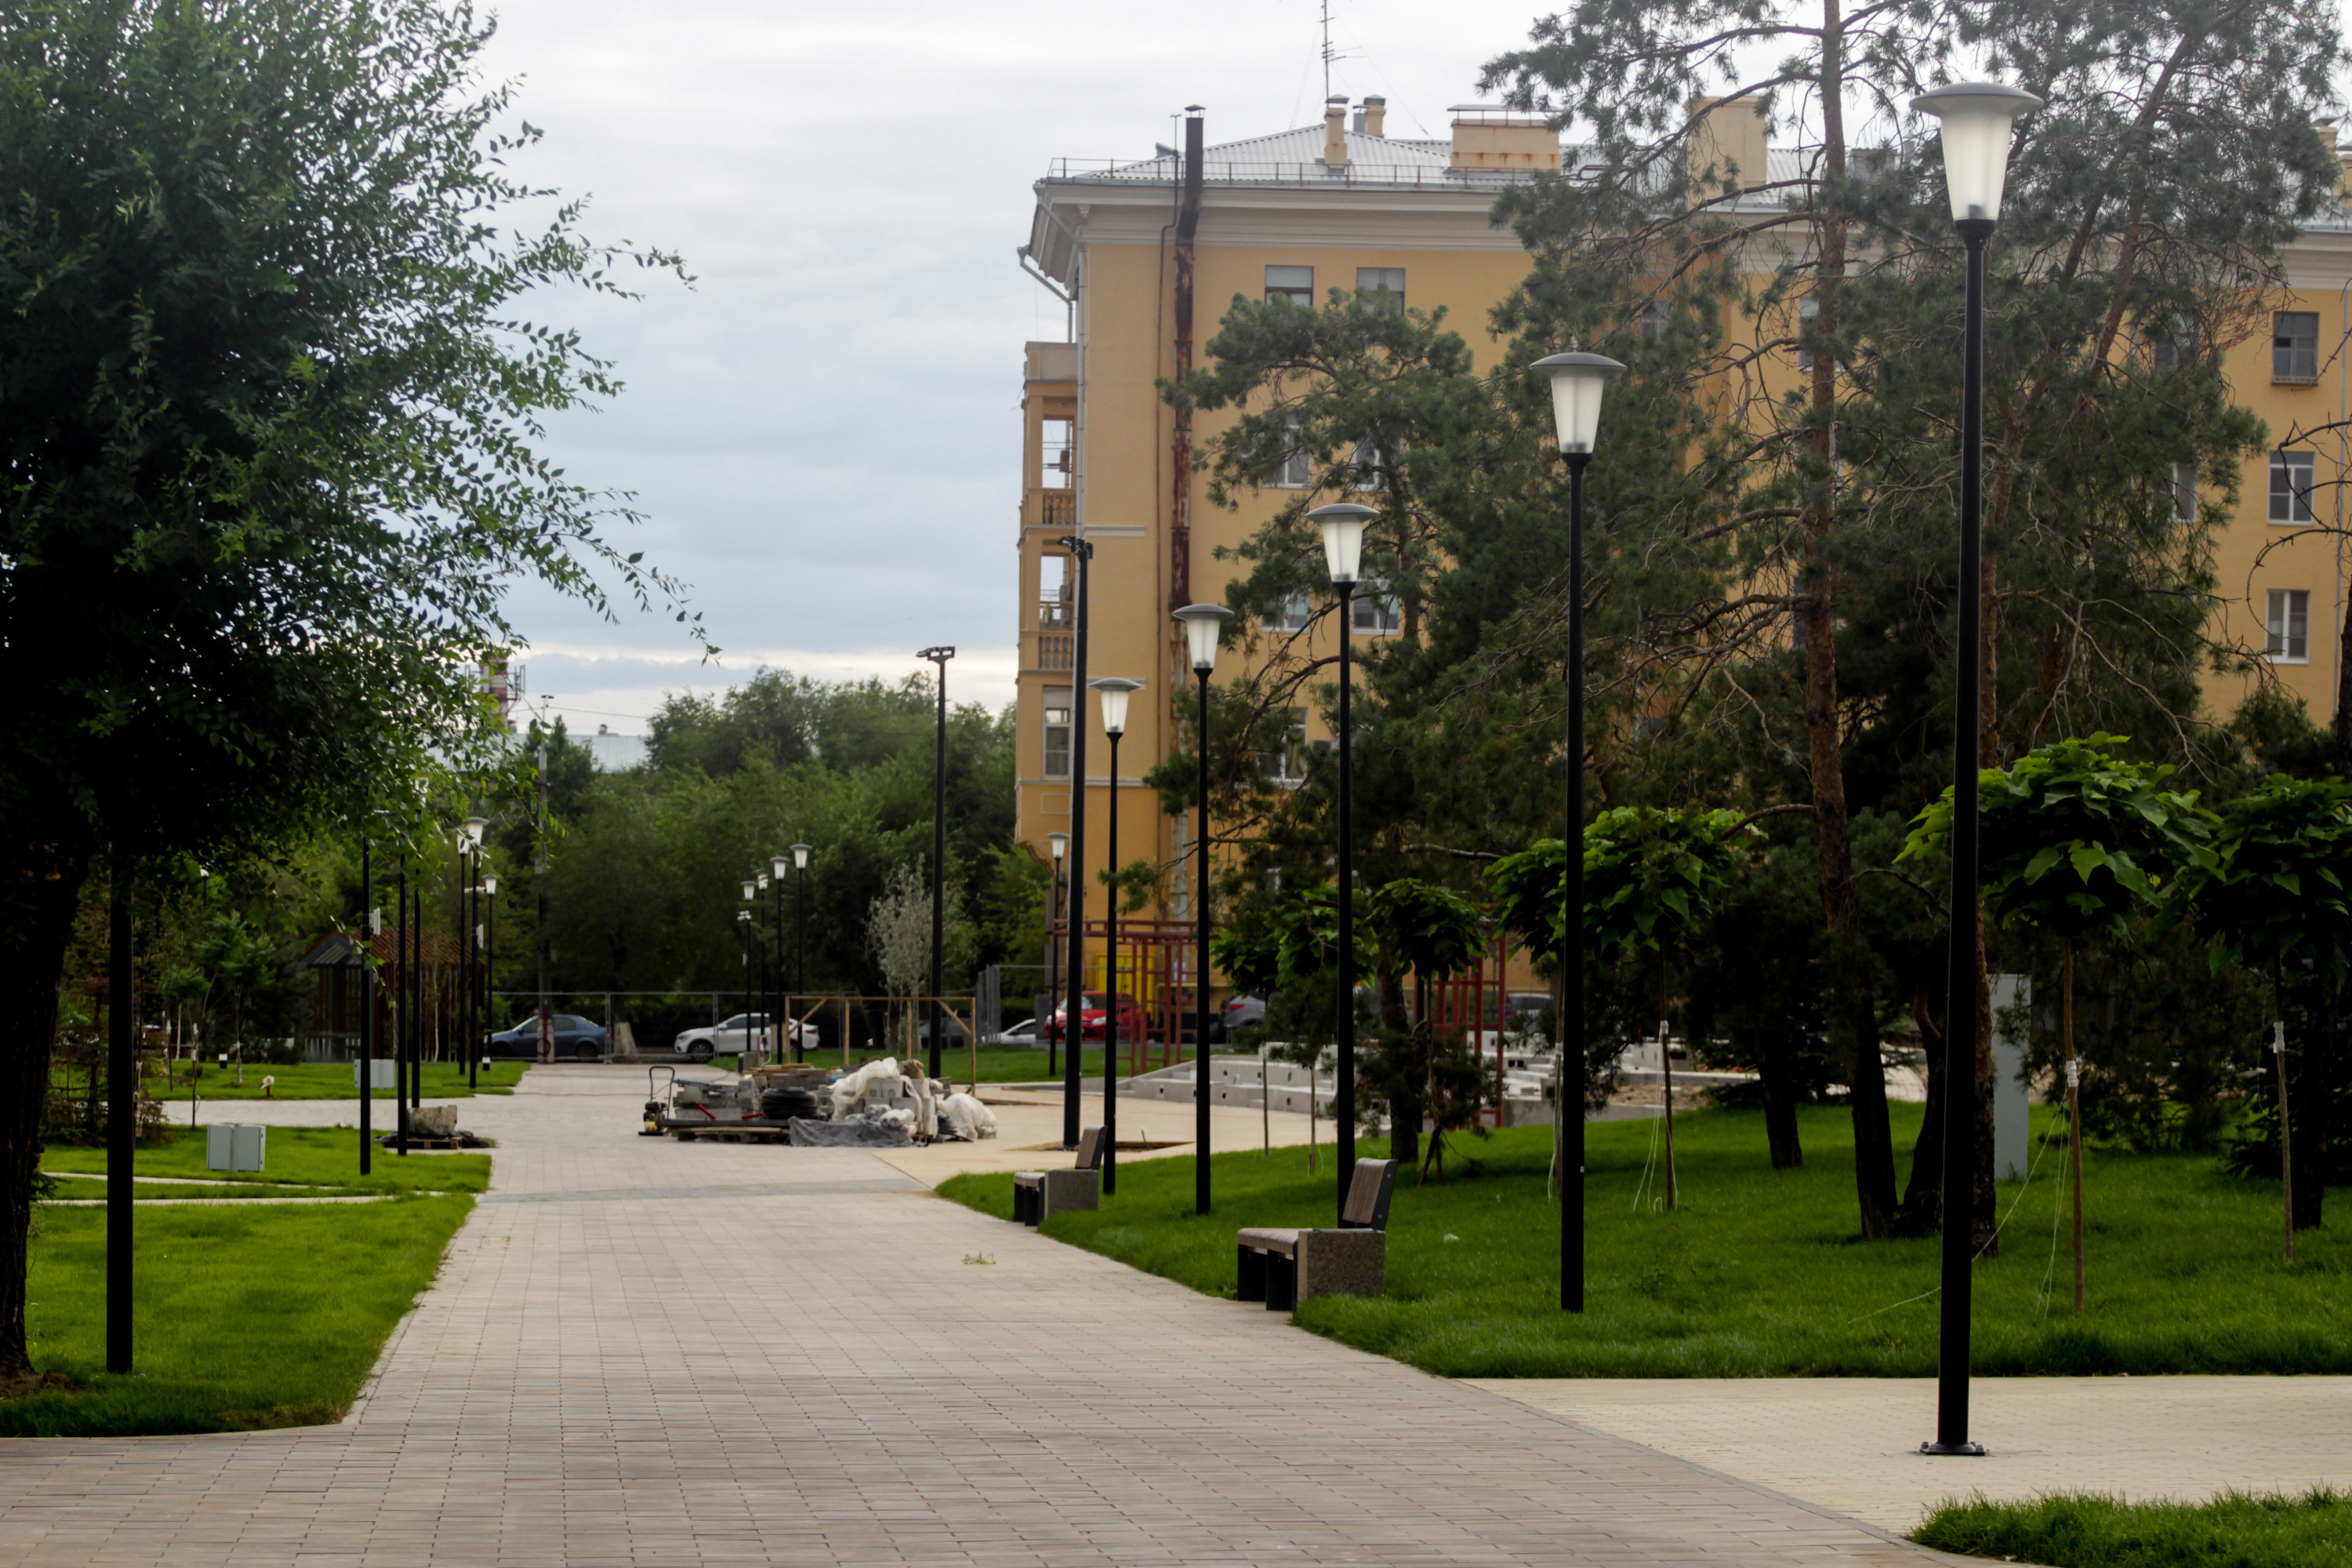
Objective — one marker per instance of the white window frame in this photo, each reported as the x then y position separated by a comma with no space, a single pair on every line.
1299,294
1374,611
1289,759
1049,708
2184,493
1387,287
2294,359
1809,311
2291,501
2288,625
1297,610
1367,458
1295,472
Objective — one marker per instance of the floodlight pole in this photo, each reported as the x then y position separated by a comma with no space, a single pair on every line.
367,1004
122,1116
1201,958
1344,1113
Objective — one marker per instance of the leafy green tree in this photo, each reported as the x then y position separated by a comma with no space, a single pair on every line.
2075,841
2273,890
1434,932
270,423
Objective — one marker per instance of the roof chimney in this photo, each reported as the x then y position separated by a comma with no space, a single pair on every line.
1376,109
1489,136
1335,134
1728,140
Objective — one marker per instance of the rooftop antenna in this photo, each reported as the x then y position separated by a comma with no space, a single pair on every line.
1329,53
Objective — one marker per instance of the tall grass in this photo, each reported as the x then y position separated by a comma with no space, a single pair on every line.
2078,1531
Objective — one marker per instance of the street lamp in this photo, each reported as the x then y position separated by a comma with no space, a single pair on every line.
1578,381
1203,623
1977,121
776,878
800,932
1082,552
939,656
1060,844
746,936
1114,690
489,951
1342,523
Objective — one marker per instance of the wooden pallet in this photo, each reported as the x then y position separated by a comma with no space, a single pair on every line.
729,1132
420,1145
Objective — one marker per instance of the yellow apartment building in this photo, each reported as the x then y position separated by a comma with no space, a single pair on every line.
1123,244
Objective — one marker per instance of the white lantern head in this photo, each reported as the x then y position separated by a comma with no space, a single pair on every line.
1977,117
764,881
473,831
1114,689
1203,625
1060,843
490,886
1578,381
778,864
800,856
1343,537
749,888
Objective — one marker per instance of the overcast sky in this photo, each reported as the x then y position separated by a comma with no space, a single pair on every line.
824,431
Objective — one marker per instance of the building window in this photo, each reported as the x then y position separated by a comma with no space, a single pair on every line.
1292,615
1657,316
1053,453
1294,469
1288,764
1296,284
2178,347
1057,732
2294,346
1809,311
1054,602
1385,288
1371,475
2290,626
1376,612
2184,492
2291,482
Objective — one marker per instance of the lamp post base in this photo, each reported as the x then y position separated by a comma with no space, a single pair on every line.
1974,1449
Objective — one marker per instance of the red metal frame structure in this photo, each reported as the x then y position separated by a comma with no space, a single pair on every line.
1154,965
1476,1000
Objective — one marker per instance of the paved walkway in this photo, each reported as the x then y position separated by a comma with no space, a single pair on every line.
1852,1444
649,1352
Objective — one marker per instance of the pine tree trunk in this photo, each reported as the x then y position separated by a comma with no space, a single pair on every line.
1404,1115
1781,1122
2286,1139
2314,1108
48,882
1851,1003
1666,1062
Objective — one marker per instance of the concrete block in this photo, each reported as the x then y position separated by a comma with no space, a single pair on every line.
231,1146
383,1076
1066,1189
1342,1263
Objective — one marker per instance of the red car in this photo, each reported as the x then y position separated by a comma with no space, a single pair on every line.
1134,1024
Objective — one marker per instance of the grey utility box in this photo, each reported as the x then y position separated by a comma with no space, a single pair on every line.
233,1147
384,1076
2013,1009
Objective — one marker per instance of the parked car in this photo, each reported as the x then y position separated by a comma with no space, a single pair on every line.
1023,1033
1243,1013
576,1039
952,1033
737,1034
1525,1010
1134,1024
1187,1020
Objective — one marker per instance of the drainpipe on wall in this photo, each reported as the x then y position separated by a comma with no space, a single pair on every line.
1179,511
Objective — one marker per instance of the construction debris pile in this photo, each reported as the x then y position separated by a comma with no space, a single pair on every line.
881,1105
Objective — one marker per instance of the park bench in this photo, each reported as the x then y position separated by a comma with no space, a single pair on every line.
1283,1268
1036,1195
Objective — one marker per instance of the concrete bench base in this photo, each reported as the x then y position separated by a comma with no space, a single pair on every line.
1283,1268
1038,1196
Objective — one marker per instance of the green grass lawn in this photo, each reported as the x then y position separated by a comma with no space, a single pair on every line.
319,1156
246,1316
1760,1273
328,1080
2314,1530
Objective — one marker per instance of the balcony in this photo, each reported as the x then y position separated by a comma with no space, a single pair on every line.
1056,650
1057,509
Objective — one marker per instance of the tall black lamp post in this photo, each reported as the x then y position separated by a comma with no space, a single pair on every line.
1342,523
799,860
939,656
1977,117
1577,384
747,929
1114,690
1203,623
470,868
1060,843
490,962
1082,554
